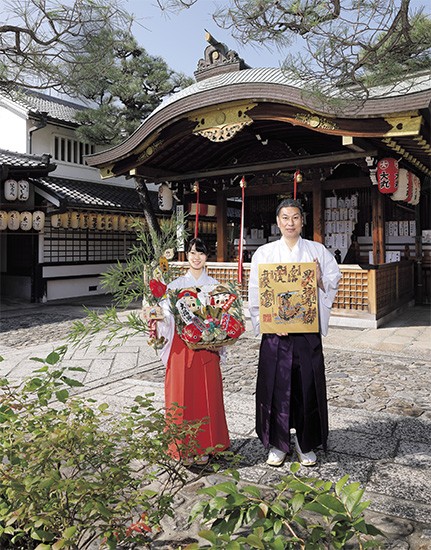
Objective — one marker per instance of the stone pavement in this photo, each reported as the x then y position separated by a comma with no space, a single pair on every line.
378,381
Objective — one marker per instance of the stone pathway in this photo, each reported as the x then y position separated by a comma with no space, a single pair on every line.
379,398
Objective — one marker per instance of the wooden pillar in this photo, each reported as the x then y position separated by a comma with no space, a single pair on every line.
378,218
318,214
222,252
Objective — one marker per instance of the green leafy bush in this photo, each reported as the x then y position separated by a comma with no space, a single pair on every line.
72,472
301,512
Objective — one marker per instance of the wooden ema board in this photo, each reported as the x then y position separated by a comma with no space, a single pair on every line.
288,298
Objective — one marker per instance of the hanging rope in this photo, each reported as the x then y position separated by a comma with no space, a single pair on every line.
196,190
243,185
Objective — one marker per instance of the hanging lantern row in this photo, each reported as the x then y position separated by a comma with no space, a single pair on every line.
16,190
399,182
92,220
15,220
409,188
402,184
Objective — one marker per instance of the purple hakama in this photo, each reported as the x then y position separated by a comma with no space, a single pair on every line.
291,392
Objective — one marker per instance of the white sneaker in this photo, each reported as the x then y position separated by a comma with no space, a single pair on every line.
275,457
306,459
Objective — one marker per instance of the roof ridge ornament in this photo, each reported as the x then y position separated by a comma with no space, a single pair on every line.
218,59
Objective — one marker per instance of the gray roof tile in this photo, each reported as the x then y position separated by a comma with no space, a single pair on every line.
53,107
87,194
20,160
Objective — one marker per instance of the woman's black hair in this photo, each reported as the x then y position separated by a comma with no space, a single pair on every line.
200,246
289,203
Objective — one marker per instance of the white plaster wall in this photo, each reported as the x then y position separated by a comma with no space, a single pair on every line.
43,142
73,288
13,134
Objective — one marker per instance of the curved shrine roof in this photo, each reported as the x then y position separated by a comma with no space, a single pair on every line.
175,141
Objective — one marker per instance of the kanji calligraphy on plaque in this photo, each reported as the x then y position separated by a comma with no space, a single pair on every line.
288,298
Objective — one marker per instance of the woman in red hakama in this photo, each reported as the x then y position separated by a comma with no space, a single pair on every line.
193,382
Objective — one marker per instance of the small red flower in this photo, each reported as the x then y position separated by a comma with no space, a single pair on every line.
157,288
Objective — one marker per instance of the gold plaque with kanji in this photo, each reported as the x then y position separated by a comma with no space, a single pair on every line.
288,298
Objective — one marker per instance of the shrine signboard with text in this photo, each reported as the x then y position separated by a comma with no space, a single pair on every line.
288,298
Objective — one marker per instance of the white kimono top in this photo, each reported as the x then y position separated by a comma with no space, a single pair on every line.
303,251
166,327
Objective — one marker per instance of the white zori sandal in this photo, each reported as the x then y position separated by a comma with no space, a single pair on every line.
306,459
276,457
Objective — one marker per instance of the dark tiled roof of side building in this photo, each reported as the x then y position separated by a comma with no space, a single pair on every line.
47,105
85,194
13,160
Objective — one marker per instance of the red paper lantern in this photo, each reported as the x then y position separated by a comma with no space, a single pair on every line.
387,175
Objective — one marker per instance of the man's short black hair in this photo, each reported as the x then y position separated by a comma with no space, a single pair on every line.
289,203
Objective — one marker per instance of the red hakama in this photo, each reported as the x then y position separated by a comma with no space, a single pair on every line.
193,382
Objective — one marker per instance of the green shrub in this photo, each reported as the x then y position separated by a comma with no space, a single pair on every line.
301,512
72,472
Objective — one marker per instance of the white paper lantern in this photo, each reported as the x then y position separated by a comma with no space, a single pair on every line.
65,220
56,221
92,220
404,190
3,220
83,220
101,222
11,190
38,220
26,221
416,190
123,223
165,197
108,222
13,220
74,220
115,222
23,190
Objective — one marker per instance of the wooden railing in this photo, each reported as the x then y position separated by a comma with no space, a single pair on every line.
377,290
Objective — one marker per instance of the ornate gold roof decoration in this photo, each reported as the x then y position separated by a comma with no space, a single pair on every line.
148,151
406,124
224,123
316,121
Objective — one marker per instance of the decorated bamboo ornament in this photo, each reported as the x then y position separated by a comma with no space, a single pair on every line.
38,220
13,220
3,220
26,221
11,190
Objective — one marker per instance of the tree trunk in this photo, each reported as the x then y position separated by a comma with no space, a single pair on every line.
147,207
